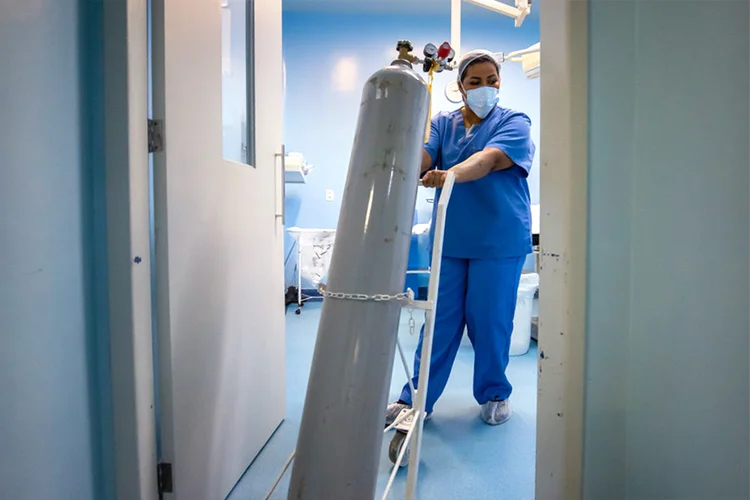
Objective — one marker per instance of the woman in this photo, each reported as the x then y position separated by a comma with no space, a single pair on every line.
487,235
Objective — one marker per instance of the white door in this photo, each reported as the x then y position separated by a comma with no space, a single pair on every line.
218,205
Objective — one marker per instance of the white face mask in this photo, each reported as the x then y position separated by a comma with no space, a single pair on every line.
482,100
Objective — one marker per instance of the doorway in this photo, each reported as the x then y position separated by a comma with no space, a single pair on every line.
336,78
562,249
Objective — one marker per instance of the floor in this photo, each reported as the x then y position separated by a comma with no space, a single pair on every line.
462,458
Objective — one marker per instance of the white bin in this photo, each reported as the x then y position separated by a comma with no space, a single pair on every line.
521,337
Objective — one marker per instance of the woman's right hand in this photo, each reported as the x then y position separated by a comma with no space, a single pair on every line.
434,178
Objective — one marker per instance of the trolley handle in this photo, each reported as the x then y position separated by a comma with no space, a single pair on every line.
447,188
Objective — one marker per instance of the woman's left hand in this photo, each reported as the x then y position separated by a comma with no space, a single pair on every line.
434,178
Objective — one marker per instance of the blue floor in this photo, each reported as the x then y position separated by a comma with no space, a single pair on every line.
462,457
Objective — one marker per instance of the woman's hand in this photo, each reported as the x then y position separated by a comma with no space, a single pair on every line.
434,178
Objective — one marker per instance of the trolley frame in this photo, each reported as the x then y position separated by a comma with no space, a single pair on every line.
413,440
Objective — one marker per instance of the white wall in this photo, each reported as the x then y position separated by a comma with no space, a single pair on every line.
51,427
667,392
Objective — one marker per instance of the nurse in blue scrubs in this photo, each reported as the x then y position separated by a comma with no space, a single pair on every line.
487,235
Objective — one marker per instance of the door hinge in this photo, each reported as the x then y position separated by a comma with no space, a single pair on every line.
164,476
155,136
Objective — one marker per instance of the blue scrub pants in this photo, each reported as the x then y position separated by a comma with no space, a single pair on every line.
479,294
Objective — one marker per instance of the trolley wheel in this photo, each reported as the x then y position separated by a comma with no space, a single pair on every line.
395,448
298,311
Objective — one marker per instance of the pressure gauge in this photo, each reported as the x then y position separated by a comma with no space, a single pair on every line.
430,51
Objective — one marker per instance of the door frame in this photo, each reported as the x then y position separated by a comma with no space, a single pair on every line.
564,213
563,184
128,248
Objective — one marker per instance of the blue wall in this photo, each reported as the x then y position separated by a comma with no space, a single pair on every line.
328,56
667,410
53,429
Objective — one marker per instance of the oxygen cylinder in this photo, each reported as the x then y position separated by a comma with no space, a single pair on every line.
339,445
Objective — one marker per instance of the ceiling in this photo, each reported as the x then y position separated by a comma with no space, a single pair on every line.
365,5
385,6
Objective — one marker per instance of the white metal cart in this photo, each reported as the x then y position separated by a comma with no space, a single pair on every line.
410,423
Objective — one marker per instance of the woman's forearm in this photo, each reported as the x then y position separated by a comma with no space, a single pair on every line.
477,166
473,168
481,164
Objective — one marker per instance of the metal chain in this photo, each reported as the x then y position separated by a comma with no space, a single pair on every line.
379,297
412,323
407,297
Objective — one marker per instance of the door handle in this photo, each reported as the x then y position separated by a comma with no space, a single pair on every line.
280,204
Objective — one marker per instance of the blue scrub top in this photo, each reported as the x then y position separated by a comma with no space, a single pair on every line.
490,217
